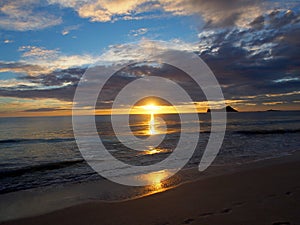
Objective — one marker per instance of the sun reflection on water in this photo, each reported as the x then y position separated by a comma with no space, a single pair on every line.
158,180
152,125
152,109
152,151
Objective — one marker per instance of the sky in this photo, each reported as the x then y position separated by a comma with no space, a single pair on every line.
47,45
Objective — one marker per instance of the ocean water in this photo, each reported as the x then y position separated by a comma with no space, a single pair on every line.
41,151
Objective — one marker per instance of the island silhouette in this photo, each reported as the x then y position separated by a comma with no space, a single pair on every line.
227,109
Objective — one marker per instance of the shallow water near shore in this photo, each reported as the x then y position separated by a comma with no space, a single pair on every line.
27,203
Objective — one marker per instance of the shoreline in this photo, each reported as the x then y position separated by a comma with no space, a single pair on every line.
287,166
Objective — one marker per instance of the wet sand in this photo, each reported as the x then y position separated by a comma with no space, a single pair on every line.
266,192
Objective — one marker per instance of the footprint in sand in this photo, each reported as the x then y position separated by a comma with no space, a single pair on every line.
165,223
239,203
206,214
227,210
281,223
188,221
288,193
272,196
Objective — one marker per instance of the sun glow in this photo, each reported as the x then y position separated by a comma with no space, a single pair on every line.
151,108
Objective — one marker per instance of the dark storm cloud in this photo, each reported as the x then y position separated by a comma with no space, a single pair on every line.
58,78
59,84
249,61
20,67
63,93
44,110
278,18
219,13
258,22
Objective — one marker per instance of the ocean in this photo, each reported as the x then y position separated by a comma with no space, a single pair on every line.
41,151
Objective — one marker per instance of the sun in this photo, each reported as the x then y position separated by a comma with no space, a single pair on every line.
151,108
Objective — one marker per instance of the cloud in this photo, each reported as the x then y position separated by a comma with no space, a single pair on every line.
215,12
138,32
7,41
38,52
101,11
24,85
68,29
30,15
58,78
272,103
284,94
44,110
13,105
59,85
59,82
252,60
139,51
248,61
22,67
23,15
16,83
65,93
286,79
39,60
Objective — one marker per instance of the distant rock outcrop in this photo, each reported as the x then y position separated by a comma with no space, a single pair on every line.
273,110
227,109
230,109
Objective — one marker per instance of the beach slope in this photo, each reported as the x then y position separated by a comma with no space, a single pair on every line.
262,193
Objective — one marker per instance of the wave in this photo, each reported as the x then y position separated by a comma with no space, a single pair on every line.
279,131
40,167
256,132
38,140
